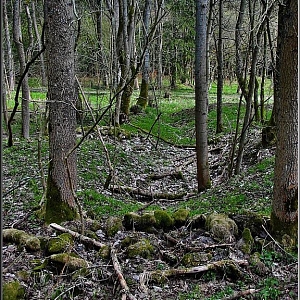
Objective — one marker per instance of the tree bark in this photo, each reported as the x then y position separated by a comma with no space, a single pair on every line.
143,97
201,98
62,98
9,60
40,44
22,60
219,128
284,216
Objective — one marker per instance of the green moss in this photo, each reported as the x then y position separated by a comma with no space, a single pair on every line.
20,237
284,232
248,241
142,248
113,225
194,259
68,260
104,252
57,210
130,220
180,216
222,227
13,291
163,219
60,243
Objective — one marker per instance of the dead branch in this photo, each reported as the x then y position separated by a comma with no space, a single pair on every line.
160,275
241,294
176,174
117,267
149,195
195,249
81,237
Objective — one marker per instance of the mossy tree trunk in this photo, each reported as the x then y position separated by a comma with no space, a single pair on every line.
284,216
62,97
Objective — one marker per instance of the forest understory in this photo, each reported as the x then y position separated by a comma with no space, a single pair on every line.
178,261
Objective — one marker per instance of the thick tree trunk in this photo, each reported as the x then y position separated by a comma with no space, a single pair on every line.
62,98
201,97
284,216
21,53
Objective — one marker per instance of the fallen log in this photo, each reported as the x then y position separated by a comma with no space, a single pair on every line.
84,239
148,195
160,276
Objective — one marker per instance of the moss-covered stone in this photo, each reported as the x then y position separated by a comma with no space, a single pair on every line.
71,262
194,259
222,227
180,216
197,221
247,241
20,237
60,243
257,265
113,225
104,252
13,291
163,219
23,275
142,248
130,220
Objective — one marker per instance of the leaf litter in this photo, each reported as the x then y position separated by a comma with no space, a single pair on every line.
156,276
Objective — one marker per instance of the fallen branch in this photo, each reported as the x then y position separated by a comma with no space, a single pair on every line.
161,275
195,249
117,267
75,234
150,195
241,294
176,174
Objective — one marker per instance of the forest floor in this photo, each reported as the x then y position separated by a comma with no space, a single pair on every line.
217,269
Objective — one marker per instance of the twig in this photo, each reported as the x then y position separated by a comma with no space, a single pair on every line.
276,243
111,169
118,270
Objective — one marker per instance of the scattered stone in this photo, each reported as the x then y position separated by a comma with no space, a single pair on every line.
60,243
30,242
180,216
222,227
13,291
70,261
142,248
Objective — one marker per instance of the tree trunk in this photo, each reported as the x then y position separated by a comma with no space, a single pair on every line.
9,56
201,97
143,97
220,70
62,98
21,53
284,216
39,42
